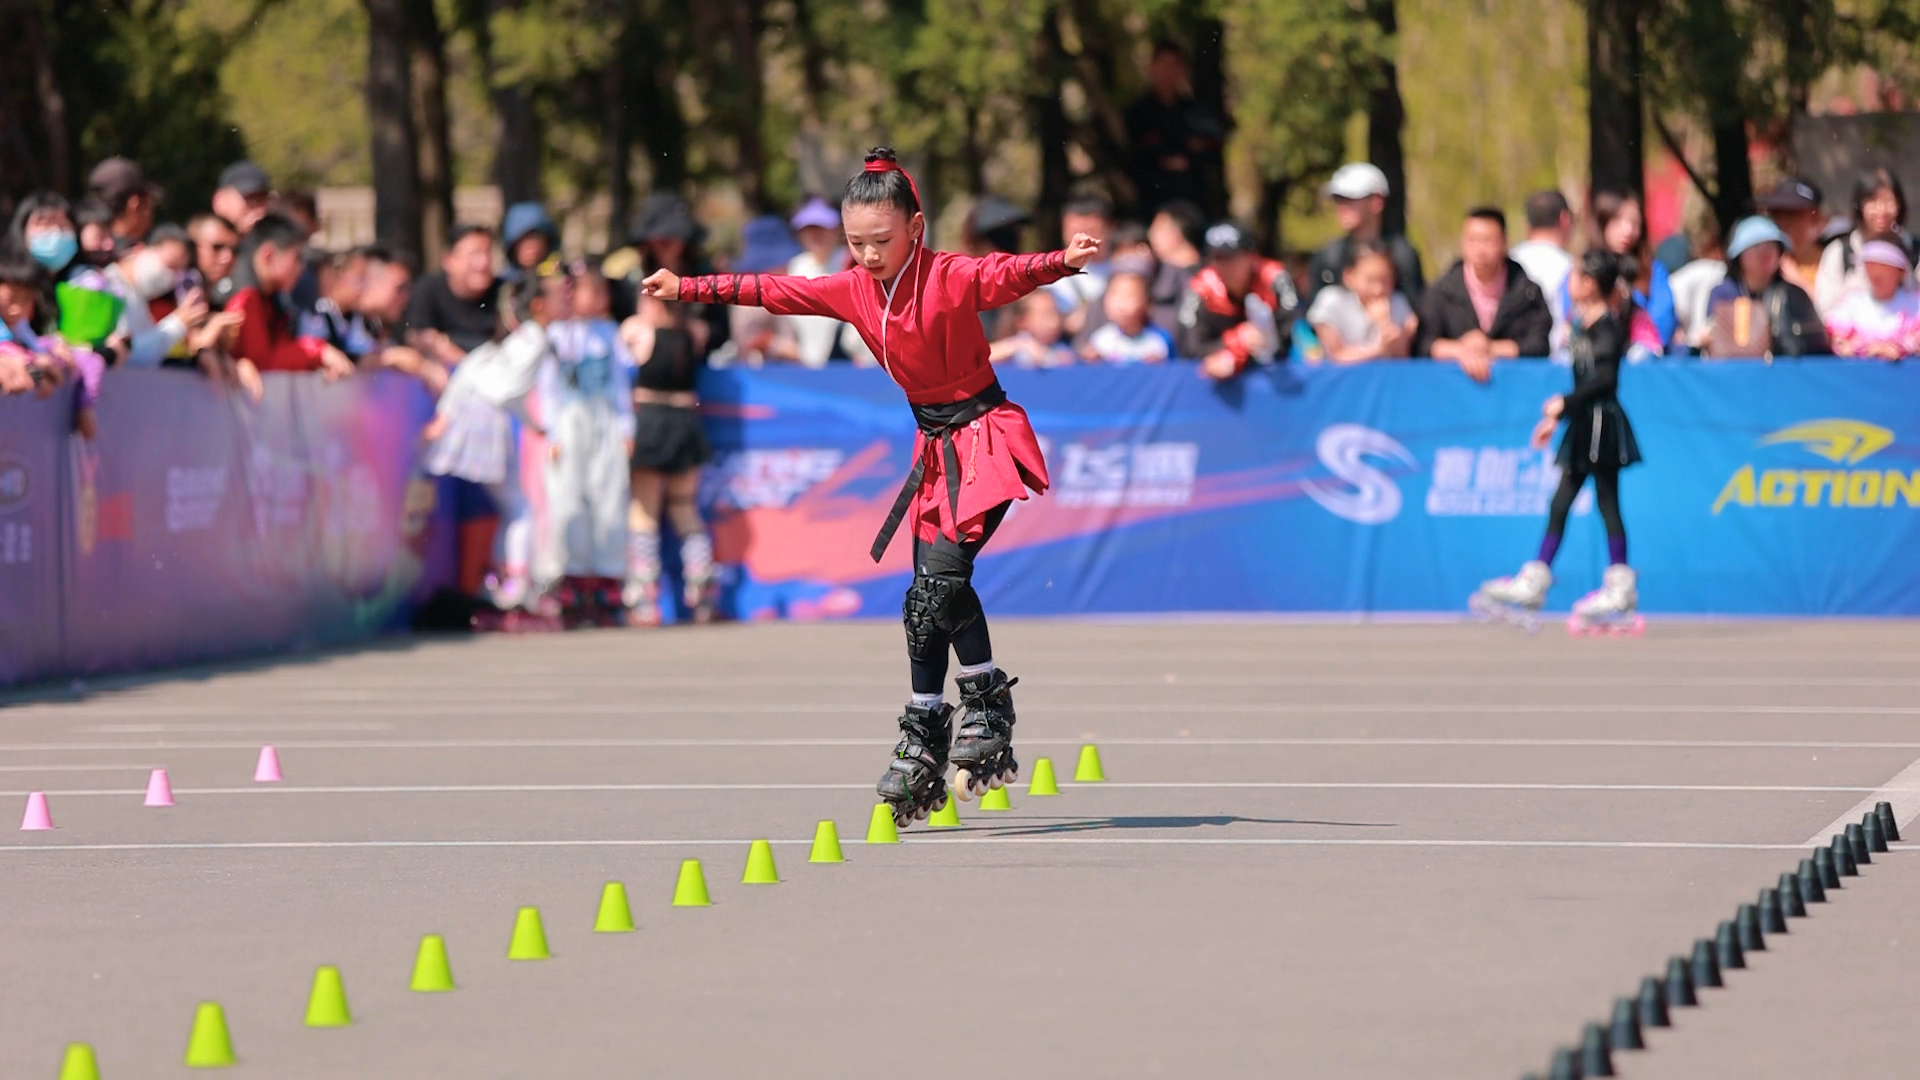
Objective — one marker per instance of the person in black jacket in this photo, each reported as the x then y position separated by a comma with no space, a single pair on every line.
1598,443
1485,307
1793,324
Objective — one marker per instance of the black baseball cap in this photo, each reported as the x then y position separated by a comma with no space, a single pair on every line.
1793,193
246,178
117,177
1228,238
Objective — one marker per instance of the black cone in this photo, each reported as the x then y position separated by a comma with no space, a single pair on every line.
1829,870
1596,1057
1857,843
1566,1065
1653,1002
1843,863
1746,924
1624,1034
1876,836
1884,811
1679,989
1772,919
1706,967
1792,905
1726,947
1812,889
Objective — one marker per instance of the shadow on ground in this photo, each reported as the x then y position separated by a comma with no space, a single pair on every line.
1061,826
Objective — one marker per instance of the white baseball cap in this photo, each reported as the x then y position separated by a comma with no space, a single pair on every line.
1357,180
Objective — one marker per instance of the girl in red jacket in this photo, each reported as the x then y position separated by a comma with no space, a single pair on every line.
919,311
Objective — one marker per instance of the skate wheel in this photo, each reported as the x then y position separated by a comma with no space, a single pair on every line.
963,785
996,783
920,813
1013,775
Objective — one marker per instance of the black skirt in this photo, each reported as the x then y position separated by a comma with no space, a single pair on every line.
1598,438
669,440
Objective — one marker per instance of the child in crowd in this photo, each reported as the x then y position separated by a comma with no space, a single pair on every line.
1127,337
43,357
1882,319
586,402
470,436
270,262
1131,247
1038,340
669,447
1365,317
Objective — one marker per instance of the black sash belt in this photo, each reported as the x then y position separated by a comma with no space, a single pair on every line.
937,423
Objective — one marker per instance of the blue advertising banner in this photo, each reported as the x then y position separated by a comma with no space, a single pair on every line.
1785,489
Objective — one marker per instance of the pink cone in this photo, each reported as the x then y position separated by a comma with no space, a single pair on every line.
159,790
268,770
38,817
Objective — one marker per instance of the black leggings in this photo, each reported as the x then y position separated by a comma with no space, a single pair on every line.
1606,497
972,644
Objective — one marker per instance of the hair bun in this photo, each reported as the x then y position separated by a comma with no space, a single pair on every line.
881,153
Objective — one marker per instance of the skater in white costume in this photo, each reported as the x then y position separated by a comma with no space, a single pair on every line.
1598,443
585,394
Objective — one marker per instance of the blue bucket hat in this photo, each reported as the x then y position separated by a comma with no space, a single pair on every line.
1751,232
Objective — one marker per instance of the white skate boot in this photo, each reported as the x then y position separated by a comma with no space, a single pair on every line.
1609,609
1517,599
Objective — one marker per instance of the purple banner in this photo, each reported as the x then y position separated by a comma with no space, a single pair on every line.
33,444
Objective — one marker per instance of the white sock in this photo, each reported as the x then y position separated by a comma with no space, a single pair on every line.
976,669
928,701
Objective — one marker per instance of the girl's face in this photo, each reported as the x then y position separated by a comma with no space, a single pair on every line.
95,238
1884,280
590,297
1040,316
1371,278
881,238
57,221
16,304
1880,213
1760,264
1623,231
1581,289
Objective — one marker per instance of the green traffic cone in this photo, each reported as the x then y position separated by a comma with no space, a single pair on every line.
79,1063
1043,782
327,1002
691,889
529,937
760,869
431,972
995,799
209,1047
880,830
1088,771
826,844
948,816
616,916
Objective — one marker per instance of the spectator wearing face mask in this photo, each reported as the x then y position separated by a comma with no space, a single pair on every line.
43,228
270,262
152,272
241,199
130,198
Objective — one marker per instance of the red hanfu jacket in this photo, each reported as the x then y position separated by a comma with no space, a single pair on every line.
930,341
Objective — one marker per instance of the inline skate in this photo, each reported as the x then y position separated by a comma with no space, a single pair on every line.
1610,609
983,747
1516,600
915,783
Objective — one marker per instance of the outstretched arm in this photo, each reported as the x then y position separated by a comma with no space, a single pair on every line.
782,294
1000,279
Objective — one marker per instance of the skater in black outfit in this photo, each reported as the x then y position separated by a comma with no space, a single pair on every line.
1598,442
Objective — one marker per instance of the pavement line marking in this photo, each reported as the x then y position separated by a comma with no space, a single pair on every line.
666,743
222,729
1075,707
72,768
1355,785
916,839
1903,791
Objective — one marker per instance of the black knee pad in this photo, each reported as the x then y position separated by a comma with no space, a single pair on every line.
936,607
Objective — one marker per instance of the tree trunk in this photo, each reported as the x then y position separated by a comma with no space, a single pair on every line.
434,149
1386,119
973,157
53,104
396,175
1266,228
619,133
1050,130
1104,137
745,19
1208,74
1616,150
517,158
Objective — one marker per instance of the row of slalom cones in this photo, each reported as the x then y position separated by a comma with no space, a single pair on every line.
210,1045
39,816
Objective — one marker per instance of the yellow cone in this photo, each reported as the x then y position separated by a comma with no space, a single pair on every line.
79,1064
431,972
880,830
1043,782
691,889
616,915
995,799
327,1002
826,844
529,936
209,1047
760,869
948,816
1088,771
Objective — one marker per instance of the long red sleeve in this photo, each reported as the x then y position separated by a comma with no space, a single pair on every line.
1000,279
782,294
267,338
